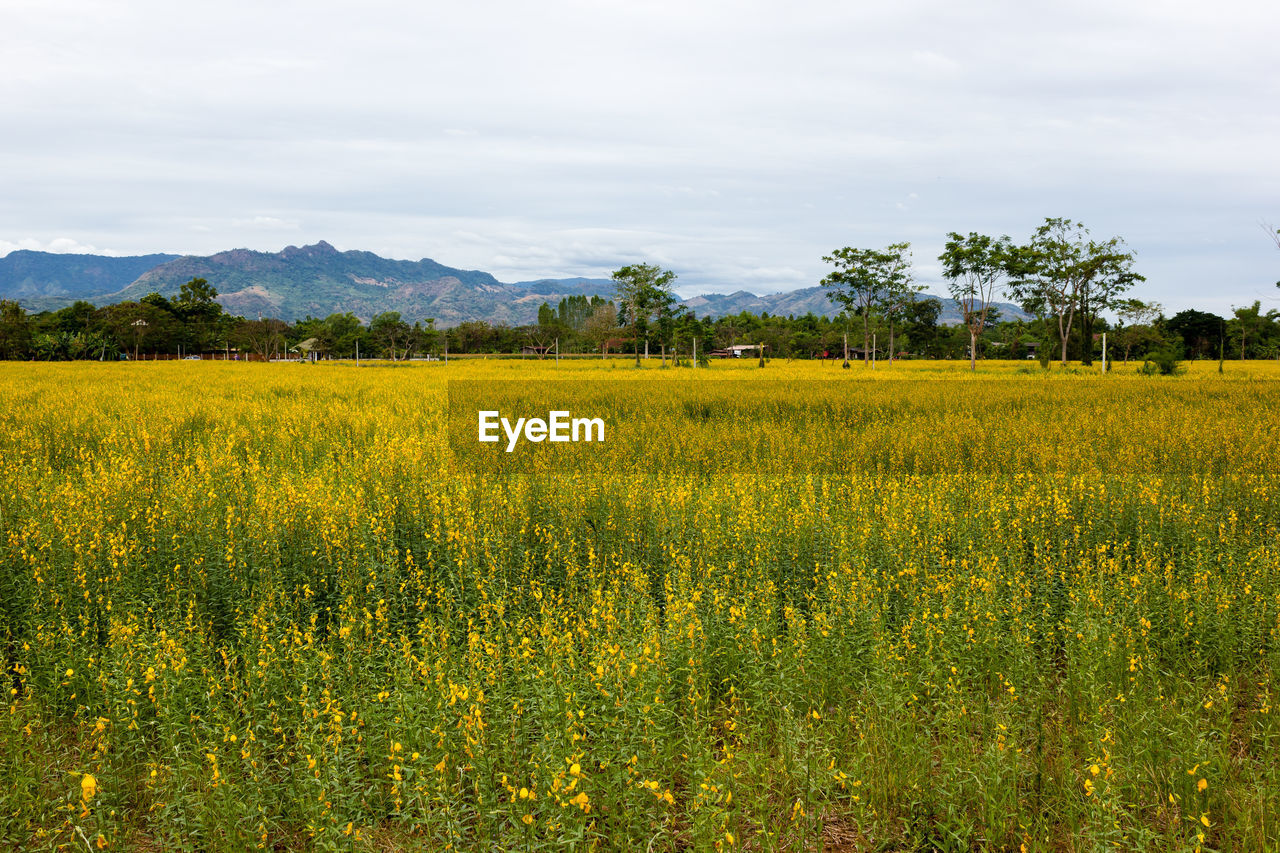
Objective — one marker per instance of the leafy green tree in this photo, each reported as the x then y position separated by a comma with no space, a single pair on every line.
668,320
422,338
15,330
920,325
200,315
1063,272
265,337
974,267
1201,332
159,302
863,279
339,333
643,290
1247,324
390,333
1138,327
140,327
75,318
1110,275
573,311
897,302
197,295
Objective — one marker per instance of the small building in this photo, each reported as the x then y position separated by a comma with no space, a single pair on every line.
309,349
738,351
534,349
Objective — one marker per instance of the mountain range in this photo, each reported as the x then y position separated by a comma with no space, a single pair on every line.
319,280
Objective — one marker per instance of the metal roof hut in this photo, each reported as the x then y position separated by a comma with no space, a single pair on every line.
309,349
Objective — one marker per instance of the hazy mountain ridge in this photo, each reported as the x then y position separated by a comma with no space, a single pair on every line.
319,280
32,277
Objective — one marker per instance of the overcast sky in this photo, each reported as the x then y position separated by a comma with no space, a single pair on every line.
732,142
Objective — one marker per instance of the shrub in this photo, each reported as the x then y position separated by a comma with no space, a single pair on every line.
1161,362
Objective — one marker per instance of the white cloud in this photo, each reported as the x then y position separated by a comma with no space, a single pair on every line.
58,246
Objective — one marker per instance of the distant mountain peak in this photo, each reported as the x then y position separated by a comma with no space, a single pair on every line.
315,250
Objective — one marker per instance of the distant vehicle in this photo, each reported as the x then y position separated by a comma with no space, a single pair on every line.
191,358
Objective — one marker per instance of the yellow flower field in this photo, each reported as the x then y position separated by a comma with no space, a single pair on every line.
288,606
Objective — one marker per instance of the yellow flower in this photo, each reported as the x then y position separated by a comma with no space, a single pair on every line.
575,770
1202,784
728,837
527,819
88,787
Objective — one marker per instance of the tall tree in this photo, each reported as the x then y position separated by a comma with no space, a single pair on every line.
642,291
863,279
422,338
921,326
973,267
1109,274
1248,323
1201,332
896,306
1067,273
264,337
339,332
15,330
1138,321
198,311
601,326
390,332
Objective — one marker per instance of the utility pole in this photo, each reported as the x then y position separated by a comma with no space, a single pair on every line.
557,350
1104,353
357,352
873,350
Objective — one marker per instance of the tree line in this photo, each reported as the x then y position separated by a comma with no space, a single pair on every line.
1061,277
